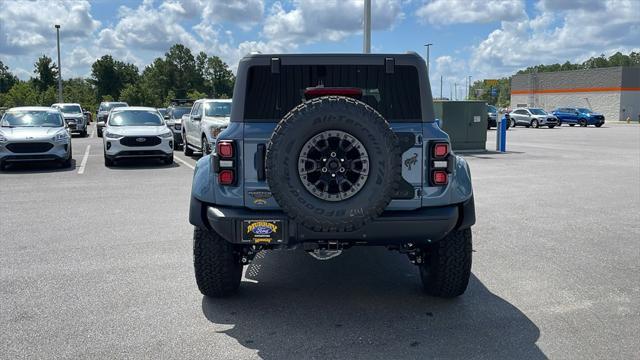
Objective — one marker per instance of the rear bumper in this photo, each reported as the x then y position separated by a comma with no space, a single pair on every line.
391,228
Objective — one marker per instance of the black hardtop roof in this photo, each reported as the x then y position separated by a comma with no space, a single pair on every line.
277,60
408,58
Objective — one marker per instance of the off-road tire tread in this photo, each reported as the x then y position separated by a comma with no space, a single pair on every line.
449,262
218,270
348,223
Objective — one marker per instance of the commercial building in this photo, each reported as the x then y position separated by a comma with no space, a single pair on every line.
613,91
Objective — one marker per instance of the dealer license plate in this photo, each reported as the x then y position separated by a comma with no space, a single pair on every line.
262,231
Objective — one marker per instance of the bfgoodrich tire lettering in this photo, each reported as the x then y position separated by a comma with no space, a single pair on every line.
311,118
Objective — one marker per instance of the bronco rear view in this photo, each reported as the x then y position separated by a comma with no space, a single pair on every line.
325,152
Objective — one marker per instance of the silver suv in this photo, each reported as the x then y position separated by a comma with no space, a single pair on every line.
34,133
73,116
201,127
532,117
103,114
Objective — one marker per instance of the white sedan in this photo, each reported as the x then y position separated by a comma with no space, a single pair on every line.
137,132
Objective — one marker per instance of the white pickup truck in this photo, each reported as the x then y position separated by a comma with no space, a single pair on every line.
201,127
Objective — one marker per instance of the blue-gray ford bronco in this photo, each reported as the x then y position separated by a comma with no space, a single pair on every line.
325,152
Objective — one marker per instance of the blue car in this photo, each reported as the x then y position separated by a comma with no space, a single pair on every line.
581,116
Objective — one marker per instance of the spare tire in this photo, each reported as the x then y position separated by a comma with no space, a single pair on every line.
333,163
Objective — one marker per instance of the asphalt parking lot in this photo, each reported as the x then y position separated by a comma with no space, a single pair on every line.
96,262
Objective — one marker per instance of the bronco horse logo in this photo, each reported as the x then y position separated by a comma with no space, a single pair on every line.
409,162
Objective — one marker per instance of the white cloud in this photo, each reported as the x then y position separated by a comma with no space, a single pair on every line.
559,35
314,20
236,11
27,26
148,28
470,11
557,5
454,71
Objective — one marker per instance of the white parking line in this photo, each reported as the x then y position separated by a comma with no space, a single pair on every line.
92,134
184,162
85,157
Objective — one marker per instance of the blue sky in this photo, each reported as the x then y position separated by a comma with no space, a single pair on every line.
478,38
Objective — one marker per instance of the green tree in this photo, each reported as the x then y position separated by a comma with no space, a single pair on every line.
46,73
21,94
110,76
182,71
481,90
138,94
195,94
7,79
157,80
47,97
219,78
80,91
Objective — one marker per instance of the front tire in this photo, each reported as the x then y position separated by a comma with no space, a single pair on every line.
168,160
185,146
582,122
217,266
108,162
535,124
66,163
206,147
513,123
551,126
447,269
598,124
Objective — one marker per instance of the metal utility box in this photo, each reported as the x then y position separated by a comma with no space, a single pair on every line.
465,122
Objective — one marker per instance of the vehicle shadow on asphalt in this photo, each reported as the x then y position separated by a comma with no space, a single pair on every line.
137,164
367,303
22,168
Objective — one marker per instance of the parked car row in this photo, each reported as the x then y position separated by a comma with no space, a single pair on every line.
537,117
44,133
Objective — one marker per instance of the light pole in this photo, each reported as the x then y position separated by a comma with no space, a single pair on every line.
469,89
59,67
428,46
367,27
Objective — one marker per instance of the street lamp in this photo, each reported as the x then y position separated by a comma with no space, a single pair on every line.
428,45
59,67
367,27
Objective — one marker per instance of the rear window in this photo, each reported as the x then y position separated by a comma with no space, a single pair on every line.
270,96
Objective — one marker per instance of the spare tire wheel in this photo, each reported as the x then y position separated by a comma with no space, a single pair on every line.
333,163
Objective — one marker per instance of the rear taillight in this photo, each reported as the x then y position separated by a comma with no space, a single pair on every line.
226,177
440,163
224,162
225,149
440,177
440,150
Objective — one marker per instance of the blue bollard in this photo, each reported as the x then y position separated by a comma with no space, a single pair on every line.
501,135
